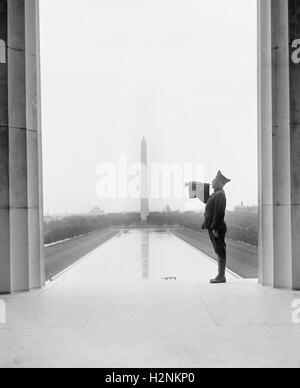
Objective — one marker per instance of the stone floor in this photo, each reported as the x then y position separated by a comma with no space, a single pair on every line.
112,309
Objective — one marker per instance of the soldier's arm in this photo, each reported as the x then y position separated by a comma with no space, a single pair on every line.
219,212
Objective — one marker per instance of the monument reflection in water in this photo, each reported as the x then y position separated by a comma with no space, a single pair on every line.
145,253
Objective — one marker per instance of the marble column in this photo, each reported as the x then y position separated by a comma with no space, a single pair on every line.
22,265
279,142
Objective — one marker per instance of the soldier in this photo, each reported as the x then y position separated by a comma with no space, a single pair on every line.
215,224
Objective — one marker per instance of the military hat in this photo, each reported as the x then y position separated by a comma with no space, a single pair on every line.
220,177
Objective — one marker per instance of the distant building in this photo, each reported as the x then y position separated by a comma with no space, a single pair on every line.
48,219
96,211
167,209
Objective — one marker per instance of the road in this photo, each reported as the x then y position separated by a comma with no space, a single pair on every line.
63,255
242,258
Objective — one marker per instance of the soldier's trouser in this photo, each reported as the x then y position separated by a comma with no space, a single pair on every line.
219,245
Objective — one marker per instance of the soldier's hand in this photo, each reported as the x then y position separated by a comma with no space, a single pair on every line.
187,184
215,233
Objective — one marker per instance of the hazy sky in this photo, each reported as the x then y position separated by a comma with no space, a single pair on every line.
182,73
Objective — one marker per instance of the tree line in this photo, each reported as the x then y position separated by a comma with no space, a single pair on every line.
242,226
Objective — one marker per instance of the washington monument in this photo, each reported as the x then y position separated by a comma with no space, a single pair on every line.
144,182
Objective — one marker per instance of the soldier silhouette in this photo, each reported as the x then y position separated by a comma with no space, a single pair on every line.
215,224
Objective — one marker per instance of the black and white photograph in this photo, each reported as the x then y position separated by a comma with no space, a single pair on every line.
149,187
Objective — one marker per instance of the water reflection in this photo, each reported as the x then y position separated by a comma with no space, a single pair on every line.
145,253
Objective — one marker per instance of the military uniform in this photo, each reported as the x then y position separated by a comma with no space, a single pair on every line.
214,217
215,224
214,220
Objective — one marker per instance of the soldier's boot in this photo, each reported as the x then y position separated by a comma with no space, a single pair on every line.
221,278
